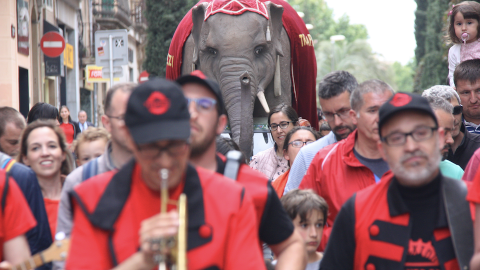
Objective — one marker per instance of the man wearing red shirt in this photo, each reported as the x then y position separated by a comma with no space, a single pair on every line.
415,218
208,120
341,169
15,220
116,214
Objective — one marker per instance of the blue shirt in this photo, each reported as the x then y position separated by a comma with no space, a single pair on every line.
471,127
40,237
304,158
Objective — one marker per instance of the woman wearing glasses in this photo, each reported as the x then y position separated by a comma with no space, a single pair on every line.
297,138
271,161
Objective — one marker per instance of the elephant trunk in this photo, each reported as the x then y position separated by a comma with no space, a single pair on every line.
239,92
246,133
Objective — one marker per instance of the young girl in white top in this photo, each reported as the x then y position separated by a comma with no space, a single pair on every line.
463,31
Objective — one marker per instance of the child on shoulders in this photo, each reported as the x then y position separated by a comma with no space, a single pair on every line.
463,31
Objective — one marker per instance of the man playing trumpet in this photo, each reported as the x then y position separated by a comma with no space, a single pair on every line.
116,218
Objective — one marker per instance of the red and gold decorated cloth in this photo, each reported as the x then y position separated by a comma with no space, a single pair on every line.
303,62
236,7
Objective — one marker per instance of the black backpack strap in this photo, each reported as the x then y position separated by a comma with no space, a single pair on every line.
233,163
5,190
459,219
90,169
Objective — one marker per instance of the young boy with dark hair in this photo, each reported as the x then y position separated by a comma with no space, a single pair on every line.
308,212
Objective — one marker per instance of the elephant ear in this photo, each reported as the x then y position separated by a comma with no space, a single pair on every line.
275,13
198,16
275,26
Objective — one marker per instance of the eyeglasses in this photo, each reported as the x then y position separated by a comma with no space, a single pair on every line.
151,151
343,113
203,104
120,117
299,144
282,125
457,110
419,134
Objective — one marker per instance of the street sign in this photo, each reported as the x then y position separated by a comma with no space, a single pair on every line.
52,44
111,51
94,74
143,77
119,47
68,56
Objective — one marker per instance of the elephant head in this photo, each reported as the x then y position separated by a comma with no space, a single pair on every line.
242,53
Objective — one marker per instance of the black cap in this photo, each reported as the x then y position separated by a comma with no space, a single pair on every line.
198,77
403,102
157,110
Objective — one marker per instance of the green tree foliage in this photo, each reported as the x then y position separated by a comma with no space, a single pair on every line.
404,75
320,16
163,16
420,28
355,57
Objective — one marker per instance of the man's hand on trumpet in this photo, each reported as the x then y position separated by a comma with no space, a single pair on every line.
157,232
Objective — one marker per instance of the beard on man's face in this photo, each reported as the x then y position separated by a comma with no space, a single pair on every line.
445,151
198,148
344,130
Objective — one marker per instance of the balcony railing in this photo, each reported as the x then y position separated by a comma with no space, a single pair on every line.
138,8
113,14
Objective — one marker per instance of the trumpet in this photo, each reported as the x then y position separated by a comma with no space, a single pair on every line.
177,257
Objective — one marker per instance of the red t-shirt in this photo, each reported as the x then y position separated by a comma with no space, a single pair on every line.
68,130
280,183
234,243
17,218
51,206
473,195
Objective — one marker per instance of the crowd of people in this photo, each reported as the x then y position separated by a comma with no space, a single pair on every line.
389,181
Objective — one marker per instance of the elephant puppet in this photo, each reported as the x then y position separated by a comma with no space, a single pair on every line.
258,51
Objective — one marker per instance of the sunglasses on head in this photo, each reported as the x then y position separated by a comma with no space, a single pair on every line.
457,110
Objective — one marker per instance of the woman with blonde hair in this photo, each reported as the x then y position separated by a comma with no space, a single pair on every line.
44,150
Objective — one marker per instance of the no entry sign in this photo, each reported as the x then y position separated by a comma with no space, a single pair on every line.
143,77
52,44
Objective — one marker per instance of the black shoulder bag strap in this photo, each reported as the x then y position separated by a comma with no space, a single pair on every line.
459,219
5,191
232,166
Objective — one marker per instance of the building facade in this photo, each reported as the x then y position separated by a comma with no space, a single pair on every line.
27,76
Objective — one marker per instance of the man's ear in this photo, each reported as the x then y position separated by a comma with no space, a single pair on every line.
353,115
222,123
106,123
381,150
441,138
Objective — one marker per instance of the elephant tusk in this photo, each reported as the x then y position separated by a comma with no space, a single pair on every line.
277,83
261,97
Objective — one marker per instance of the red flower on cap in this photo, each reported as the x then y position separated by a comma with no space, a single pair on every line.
199,74
235,7
157,103
400,99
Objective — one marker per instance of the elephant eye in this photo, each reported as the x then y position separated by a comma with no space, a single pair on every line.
212,51
258,50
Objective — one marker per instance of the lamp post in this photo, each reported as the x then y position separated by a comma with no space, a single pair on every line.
334,39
